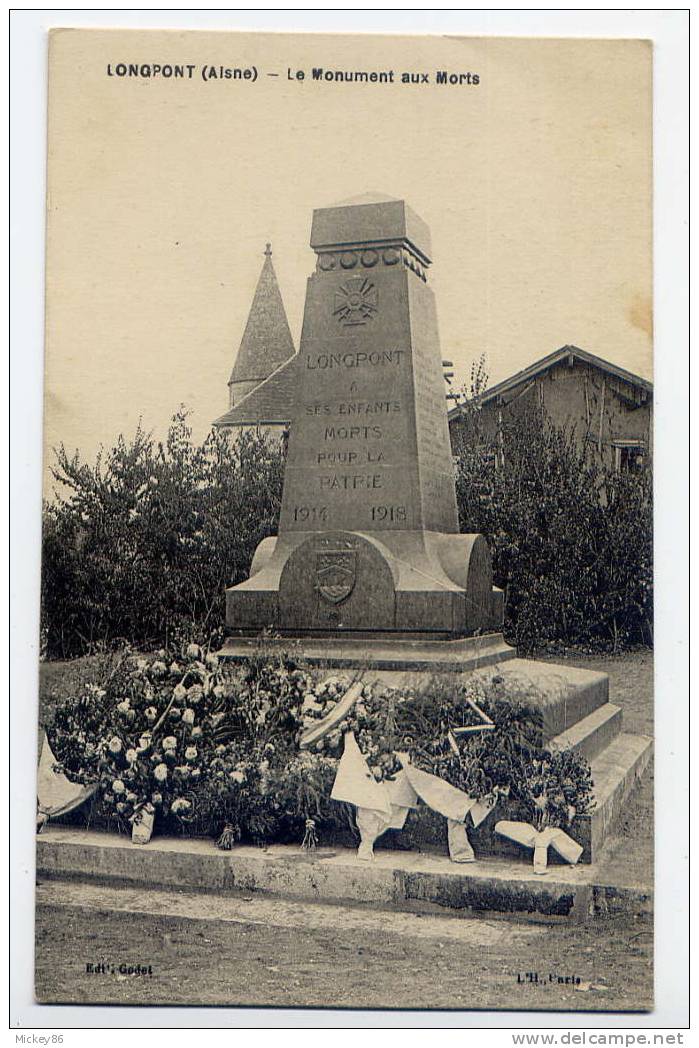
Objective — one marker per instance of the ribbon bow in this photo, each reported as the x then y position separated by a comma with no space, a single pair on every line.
524,833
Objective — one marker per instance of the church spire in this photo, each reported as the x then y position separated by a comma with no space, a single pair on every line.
266,341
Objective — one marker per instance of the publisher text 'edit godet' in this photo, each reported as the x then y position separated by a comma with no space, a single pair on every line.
368,538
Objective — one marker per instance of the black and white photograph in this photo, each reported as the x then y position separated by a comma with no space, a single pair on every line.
347,616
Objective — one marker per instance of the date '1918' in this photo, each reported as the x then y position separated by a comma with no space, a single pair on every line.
384,514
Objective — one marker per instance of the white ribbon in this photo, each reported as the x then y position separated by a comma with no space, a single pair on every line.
56,794
524,833
385,805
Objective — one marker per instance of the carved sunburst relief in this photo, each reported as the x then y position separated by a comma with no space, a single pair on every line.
356,301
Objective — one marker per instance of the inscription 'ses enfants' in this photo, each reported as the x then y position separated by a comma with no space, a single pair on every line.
355,407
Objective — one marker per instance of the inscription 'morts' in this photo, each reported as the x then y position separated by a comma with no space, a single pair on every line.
378,358
353,432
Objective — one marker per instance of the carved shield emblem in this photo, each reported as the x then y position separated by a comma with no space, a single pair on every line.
335,574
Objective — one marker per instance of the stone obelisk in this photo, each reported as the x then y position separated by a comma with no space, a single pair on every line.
368,538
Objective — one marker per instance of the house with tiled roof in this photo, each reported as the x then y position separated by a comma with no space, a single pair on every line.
609,408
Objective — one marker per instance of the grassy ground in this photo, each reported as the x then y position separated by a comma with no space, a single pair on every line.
209,962
630,684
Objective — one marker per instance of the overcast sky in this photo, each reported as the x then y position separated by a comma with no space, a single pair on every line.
162,194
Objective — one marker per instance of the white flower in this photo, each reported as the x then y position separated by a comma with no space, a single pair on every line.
159,668
219,690
144,742
188,716
161,772
196,732
175,668
124,706
157,798
179,693
115,744
170,743
190,754
131,756
220,749
180,804
118,786
193,651
212,661
237,776
141,664
151,714
121,807
131,798
195,694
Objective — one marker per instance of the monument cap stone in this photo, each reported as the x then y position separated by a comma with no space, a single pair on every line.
383,223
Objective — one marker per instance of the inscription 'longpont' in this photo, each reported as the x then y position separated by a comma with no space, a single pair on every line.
378,358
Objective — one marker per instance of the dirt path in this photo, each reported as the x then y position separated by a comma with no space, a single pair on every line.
341,965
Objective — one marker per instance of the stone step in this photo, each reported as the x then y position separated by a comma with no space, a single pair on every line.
591,734
563,694
402,881
615,773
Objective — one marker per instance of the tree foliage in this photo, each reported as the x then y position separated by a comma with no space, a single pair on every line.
144,542
571,539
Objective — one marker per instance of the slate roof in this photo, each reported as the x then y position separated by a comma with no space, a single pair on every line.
543,365
267,340
270,403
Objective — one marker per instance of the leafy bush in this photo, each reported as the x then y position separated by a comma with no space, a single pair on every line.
571,540
144,542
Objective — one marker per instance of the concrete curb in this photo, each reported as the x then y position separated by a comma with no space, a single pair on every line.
396,879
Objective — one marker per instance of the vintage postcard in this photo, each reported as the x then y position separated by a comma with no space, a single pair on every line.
347,580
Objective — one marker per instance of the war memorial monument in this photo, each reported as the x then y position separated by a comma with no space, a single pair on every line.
369,571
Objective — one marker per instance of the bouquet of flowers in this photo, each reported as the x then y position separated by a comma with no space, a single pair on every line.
204,746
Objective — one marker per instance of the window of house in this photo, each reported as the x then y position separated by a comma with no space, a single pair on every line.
629,455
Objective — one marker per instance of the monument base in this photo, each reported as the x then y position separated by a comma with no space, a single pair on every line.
402,582
409,653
